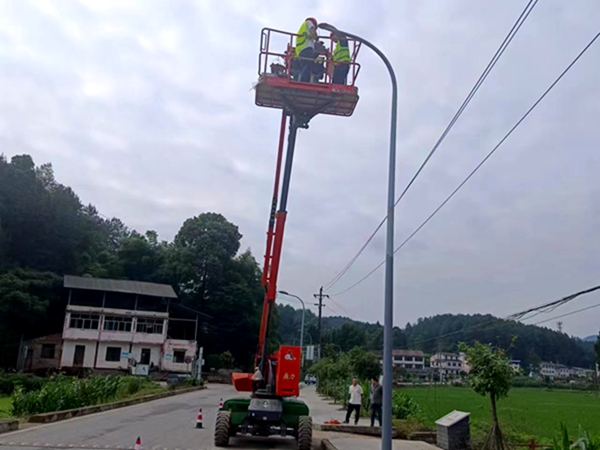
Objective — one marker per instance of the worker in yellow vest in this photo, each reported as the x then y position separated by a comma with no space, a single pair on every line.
305,48
341,59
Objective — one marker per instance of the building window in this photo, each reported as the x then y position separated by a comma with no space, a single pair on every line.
84,321
116,323
150,326
113,354
48,351
179,356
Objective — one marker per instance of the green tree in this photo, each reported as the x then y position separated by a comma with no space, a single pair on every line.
226,360
363,364
29,300
490,375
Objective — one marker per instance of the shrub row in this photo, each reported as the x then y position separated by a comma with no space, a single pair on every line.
543,384
60,393
28,383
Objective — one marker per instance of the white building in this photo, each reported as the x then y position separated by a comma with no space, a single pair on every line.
562,371
409,359
118,324
547,369
464,365
446,363
515,365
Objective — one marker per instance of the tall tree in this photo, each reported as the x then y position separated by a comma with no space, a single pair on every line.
490,375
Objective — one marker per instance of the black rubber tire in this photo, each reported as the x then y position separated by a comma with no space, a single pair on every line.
305,428
222,425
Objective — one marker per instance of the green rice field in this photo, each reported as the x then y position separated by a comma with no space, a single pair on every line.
527,413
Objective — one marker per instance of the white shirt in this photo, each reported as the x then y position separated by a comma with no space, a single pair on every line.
355,394
310,42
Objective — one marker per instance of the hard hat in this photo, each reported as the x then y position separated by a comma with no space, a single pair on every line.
313,20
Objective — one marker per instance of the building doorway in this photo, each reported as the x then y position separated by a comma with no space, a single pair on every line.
79,356
145,358
28,360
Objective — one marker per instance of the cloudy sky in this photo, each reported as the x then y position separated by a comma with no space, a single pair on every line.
146,109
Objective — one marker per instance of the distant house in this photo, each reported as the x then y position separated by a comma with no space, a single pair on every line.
562,371
446,363
547,369
464,365
515,365
409,359
112,324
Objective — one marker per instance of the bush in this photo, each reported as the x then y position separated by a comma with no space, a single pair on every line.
29,383
60,393
404,407
540,383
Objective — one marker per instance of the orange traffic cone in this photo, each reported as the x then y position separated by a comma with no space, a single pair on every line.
199,420
138,444
220,403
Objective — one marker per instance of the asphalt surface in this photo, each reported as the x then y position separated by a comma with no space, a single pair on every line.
166,424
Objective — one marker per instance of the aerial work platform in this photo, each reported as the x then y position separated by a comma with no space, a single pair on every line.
279,88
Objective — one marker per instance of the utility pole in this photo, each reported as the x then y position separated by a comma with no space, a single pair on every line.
320,296
559,324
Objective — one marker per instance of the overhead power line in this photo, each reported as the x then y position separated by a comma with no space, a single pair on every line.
459,187
567,314
507,40
521,315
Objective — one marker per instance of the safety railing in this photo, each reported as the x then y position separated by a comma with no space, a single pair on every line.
283,63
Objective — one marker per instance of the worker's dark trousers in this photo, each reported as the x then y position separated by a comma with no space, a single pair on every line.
340,74
306,66
375,413
351,408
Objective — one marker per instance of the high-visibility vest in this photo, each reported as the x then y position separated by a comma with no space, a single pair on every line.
302,38
340,53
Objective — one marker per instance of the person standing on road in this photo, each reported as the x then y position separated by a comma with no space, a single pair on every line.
376,401
356,393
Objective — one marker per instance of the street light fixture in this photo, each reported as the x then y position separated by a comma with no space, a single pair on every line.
386,436
301,326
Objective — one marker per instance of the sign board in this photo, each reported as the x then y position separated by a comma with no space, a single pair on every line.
451,418
168,356
310,352
125,355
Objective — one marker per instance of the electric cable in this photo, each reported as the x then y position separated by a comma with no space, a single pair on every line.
567,314
499,52
506,136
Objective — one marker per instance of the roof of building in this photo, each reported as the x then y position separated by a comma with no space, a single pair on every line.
417,353
445,354
124,286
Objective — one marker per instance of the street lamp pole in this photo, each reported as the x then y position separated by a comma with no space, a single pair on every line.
301,326
388,323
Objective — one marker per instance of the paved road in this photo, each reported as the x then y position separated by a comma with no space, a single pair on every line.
167,424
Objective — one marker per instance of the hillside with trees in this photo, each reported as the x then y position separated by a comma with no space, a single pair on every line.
532,345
